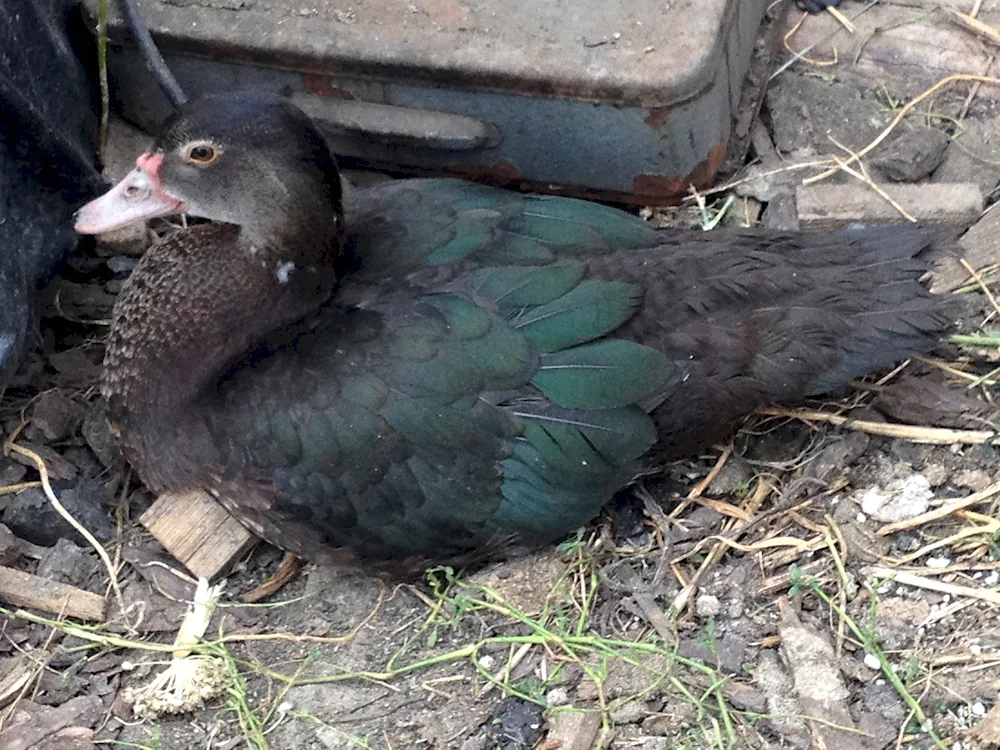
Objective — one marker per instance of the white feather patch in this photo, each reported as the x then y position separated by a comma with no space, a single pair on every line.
284,272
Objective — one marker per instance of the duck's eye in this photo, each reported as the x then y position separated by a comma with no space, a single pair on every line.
201,153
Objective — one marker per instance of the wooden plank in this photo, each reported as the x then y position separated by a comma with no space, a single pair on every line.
829,205
198,531
34,592
19,672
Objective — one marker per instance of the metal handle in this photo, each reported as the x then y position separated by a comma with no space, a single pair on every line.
407,126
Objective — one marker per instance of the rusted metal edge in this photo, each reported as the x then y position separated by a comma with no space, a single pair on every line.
648,189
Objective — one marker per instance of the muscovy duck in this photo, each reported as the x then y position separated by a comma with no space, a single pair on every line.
433,370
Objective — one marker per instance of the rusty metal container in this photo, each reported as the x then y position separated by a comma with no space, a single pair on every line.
630,100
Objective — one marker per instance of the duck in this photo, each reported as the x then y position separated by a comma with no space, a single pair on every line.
428,370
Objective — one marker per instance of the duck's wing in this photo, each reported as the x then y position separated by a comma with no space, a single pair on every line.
430,426
404,226
509,360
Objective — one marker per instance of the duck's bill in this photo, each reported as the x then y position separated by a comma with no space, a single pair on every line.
136,198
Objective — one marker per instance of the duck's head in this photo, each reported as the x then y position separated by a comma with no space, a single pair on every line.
249,159
200,300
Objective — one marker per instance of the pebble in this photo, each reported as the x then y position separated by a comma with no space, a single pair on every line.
936,474
976,480
707,606
68,563
31,517
913,155
55,415
901,500
872,662
557,697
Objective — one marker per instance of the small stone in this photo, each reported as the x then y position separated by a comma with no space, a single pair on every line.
55,688
84,460
882,732
834,457
11,472
905,542
872,662
67,563
733,478
515,723
814,110
557,697
707,606
475,742
76,366
913,155
570,730
937,562
55,415
630,712
765,184
976,480
897,618
525,583
781,213
936,474
978,709
30,515
901,500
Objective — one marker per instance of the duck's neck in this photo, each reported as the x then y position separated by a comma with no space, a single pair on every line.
195,305
268,226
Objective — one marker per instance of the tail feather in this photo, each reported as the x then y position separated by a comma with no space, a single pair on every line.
757,318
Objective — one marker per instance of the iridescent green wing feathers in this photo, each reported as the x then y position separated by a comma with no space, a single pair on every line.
496,409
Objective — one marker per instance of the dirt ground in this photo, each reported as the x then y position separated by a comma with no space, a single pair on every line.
809,584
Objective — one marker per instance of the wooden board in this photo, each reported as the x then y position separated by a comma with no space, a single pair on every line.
34,592
831,205
198,531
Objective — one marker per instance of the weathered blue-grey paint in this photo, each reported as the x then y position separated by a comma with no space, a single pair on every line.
548,99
